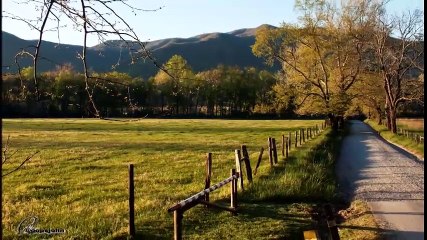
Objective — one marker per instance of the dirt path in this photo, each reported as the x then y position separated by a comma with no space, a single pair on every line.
388,178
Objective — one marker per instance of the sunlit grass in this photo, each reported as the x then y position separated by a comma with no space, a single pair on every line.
411,124
78,181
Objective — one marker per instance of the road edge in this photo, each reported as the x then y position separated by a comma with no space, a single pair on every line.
414,155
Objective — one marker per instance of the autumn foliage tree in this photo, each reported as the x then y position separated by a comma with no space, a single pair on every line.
322,56
370,96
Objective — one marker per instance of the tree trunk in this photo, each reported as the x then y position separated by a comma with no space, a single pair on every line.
393,117
334,121
162,103
380,115
388,120
177,106
197,104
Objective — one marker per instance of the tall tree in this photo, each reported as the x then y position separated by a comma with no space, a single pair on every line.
321,56
370,96
214,94
398,48
173,83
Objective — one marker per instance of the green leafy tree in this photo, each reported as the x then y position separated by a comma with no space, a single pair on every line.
68,90
174,82
213,93
370,96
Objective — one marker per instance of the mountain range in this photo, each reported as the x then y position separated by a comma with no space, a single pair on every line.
202,52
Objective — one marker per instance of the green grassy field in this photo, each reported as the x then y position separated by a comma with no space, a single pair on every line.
78,181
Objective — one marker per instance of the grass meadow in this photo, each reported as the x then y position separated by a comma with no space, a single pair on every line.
412,124
79,180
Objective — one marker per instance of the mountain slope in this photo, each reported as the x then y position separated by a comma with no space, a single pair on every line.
202,52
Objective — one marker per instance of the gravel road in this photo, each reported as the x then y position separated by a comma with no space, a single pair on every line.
390,179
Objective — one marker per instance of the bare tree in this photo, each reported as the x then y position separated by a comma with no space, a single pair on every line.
399,51
92,18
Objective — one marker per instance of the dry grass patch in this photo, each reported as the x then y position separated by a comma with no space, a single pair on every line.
358,223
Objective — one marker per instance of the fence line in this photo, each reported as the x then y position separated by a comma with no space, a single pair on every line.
411,135
236,177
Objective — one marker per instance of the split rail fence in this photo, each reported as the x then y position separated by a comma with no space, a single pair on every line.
292,139
407,133
411,135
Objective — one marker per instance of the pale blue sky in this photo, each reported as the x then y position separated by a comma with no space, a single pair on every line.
183,18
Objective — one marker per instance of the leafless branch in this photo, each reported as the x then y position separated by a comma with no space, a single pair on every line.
89,17
7,156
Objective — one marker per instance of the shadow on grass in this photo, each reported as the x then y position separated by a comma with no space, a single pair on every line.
268,200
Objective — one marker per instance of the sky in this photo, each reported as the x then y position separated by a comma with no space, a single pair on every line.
177,18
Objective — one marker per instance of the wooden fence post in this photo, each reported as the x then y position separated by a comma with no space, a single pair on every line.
208,175
332,225
233,188
270,151
287,148
273,143
296,139
259,160
177,224
300,137
247,163
290,140
303,135
283,145
239,167
131,203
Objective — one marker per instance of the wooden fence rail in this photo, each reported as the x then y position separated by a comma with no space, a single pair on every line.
411,135
179,208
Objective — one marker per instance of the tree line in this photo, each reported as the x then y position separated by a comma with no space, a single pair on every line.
224,91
